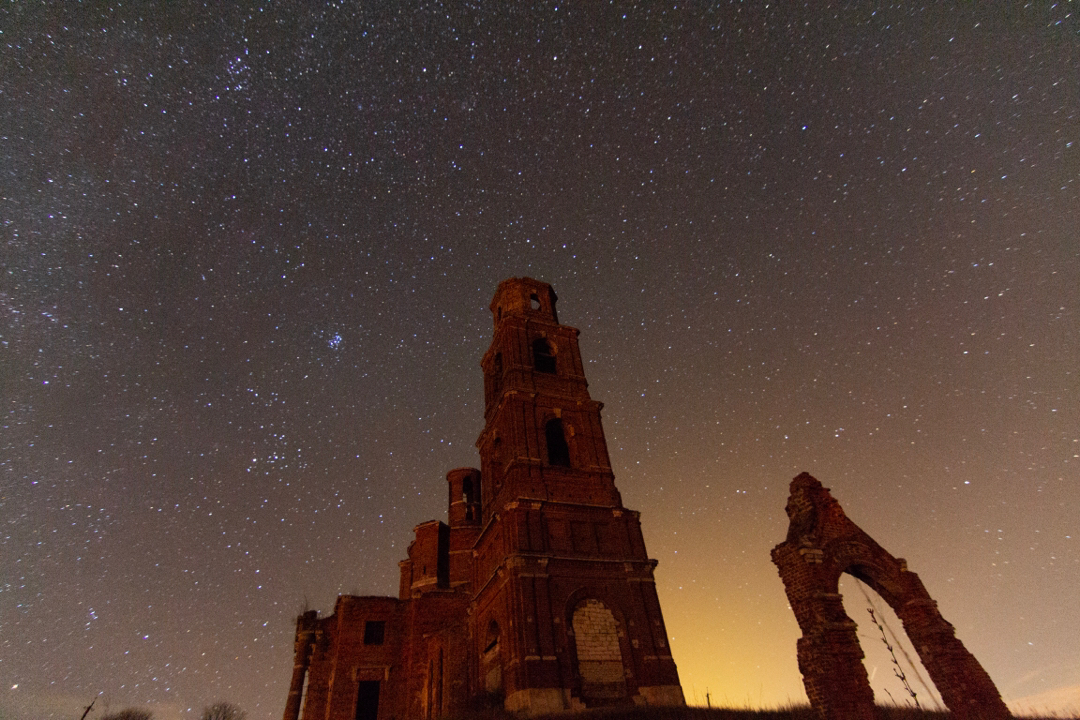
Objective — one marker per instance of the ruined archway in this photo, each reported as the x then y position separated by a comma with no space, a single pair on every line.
822,543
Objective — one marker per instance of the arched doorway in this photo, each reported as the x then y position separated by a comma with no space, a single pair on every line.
599,654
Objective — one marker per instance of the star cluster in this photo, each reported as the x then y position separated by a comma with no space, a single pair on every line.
248,250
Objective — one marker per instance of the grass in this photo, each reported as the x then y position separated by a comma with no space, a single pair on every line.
794,712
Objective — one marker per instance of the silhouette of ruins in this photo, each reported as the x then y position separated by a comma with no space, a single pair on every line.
822,543
536,595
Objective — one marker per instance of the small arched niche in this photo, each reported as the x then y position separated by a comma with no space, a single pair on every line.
491,660
496,376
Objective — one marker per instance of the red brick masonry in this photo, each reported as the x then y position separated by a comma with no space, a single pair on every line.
821,544
537,595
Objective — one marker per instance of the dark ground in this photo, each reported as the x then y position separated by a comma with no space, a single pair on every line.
795,712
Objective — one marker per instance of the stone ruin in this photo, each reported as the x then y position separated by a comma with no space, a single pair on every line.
536,596
821,544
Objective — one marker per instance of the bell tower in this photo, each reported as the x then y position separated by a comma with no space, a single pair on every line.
565,614
536,594
542,437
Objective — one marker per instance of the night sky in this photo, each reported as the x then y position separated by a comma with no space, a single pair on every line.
248,252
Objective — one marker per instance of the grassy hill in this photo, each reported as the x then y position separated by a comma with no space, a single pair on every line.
797,712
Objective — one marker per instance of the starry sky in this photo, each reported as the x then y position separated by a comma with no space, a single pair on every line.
248,250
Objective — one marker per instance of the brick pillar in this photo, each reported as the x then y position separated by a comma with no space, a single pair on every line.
830,657
305,637
967,690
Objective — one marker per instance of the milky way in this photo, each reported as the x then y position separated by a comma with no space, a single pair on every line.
248,251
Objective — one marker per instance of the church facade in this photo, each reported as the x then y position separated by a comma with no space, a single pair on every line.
536,595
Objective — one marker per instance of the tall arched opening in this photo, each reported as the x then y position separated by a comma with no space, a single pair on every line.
893,667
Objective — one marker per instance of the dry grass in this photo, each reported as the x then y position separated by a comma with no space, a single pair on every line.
794,712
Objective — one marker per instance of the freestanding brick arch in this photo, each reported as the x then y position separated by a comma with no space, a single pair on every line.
822,543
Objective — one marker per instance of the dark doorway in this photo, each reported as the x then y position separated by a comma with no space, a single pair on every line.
367,700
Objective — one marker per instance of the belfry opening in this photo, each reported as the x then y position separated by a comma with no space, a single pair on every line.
536,594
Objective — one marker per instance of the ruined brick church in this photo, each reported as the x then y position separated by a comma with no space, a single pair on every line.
536,595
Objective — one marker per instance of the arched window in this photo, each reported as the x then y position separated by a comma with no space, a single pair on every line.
543,358
557,449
